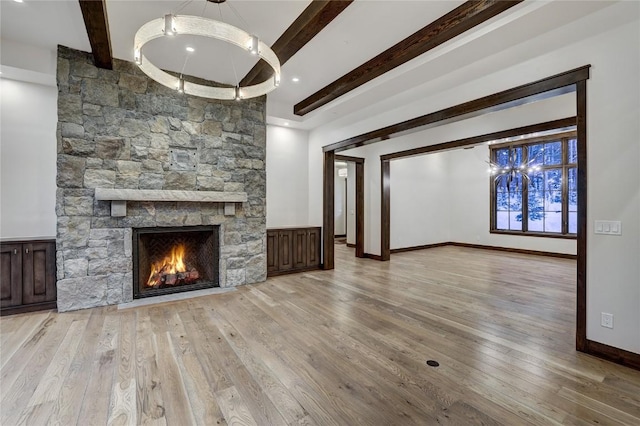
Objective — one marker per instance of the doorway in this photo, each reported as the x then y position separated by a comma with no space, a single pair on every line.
344,209
573,80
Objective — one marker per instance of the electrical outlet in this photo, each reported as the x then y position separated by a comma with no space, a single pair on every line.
606,320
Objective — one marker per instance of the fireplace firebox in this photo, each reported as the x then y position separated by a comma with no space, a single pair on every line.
176,259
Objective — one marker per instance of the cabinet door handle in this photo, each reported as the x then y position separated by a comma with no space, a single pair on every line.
26,251
15,251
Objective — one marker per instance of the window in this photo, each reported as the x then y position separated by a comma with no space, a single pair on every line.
534,186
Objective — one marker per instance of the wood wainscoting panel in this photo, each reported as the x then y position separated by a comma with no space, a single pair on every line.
293,249
28,274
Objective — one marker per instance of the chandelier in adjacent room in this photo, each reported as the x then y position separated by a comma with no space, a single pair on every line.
508,172
171,25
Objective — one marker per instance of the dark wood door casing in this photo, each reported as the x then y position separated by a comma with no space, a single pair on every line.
328,217
360,208
582,343
385,210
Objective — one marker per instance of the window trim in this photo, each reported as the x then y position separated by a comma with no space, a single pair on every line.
563,137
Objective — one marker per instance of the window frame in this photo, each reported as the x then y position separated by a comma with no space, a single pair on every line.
564,138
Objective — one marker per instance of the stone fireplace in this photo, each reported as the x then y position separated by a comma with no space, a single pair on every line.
135,155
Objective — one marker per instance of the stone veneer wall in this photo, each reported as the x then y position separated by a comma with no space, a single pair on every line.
120,129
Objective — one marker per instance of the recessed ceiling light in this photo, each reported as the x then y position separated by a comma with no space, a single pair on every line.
286,123
18,1
190,49
295,79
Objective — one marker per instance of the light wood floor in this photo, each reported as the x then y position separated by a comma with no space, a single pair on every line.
342,347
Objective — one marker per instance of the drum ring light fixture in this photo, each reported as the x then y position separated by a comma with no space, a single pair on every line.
198,26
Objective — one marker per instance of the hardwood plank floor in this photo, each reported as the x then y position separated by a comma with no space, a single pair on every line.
341,347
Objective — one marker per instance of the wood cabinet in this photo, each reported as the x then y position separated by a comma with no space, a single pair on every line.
27,276
292,250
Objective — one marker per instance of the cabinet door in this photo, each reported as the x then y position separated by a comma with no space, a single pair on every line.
285,250
38,273
313,247
272,251
11,275
300,251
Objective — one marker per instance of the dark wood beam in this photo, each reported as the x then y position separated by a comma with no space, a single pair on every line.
474,140
310,22
96,22
547,87
443,29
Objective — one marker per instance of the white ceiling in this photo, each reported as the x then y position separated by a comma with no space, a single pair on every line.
364,29
43,24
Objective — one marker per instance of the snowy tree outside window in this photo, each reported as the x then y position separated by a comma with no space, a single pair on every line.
539,194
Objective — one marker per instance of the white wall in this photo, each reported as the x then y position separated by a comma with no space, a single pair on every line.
27,57
613,275
340,206
28,120
351,202
287,177
542,111
470,204
420,201
444,196
28,151
613,127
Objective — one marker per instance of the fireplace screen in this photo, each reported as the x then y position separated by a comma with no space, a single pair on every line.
171,260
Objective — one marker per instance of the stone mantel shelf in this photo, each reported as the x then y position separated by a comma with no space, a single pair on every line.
119,198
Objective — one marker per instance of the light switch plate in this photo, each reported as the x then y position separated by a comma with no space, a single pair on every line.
608,227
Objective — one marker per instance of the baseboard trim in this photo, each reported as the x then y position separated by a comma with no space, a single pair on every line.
484,247
42,306
293,271
340,236
351,245
372,256
426,246
610,353
516,250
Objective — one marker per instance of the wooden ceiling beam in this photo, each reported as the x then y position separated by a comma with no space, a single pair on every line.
454,23
96,22
545,88
306,26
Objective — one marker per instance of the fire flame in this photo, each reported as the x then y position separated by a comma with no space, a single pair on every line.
171,264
